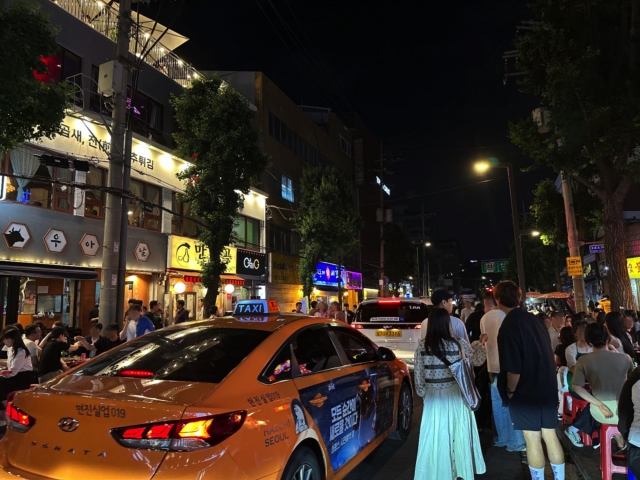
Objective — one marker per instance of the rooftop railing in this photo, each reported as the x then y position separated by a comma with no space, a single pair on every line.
104,19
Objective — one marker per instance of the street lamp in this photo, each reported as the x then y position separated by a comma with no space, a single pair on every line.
482,167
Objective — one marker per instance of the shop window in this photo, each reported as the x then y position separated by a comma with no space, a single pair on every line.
38,185
247,232
94,198
182,222
287,188
142,210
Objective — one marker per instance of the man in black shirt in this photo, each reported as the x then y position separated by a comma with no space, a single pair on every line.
527,381
51,363
111,339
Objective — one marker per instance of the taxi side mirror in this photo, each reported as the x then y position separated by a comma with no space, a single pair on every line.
386,355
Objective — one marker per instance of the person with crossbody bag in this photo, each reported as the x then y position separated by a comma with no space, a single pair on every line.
449,445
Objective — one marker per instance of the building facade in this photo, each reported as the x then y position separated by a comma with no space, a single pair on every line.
52,220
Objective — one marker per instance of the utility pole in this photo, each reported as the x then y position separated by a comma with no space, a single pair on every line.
109,285
382,290
574,245
424,257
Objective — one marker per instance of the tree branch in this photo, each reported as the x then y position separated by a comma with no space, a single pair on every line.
591,186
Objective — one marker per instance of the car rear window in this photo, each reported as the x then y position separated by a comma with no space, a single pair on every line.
402,312
195,354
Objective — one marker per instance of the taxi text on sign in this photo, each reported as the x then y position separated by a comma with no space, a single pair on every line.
574,266
188,254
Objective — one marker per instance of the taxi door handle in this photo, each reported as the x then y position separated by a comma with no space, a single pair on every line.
318,401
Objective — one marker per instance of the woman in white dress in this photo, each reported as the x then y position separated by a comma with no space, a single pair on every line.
449,446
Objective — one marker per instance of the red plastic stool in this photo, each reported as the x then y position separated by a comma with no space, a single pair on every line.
606,455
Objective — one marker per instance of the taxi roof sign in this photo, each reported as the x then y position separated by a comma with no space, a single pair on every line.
264,307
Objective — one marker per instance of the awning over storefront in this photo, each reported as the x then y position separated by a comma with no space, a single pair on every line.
232,280
47,271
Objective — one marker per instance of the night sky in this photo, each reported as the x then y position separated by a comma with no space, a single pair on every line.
427,77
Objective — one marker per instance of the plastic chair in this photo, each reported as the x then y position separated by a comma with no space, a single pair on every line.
606,455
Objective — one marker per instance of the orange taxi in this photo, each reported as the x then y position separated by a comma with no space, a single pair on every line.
257,395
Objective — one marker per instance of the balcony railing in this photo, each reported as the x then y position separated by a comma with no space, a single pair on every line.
104,19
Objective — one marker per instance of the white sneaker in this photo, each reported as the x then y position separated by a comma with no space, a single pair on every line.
574,438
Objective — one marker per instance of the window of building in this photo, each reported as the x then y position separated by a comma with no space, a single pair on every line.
147,116
247,232
283,240
38,185
345,146
182,222
142,212
287,137
94,198
287,188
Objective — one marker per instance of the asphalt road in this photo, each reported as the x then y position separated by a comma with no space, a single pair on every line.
395,460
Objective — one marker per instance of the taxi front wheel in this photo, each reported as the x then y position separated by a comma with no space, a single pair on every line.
403,414
303,465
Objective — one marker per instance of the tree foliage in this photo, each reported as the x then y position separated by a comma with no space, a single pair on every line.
219,135
542,264
581,60
327,220
29,109
399,255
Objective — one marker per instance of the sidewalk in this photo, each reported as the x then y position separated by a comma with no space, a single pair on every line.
585,459
506,465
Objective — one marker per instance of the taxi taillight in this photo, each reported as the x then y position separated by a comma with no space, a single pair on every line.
182,435
357,326
18,420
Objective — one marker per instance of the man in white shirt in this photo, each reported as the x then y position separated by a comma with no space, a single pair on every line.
443,299
200,311
489,327
629,419
557,322
466,311
31,334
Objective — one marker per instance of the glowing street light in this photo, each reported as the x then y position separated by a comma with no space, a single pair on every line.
483,166
428,244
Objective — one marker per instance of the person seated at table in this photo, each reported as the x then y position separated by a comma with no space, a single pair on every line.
606,372
94,335
18,374
51,363
111,339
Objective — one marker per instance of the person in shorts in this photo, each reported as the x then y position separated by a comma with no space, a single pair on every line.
527,380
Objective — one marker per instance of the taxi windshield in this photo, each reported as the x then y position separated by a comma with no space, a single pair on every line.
196,354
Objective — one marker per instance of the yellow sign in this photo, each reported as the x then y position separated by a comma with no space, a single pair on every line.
284,269
633,267
188,254
574,266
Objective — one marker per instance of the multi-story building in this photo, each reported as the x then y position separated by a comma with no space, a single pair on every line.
52,221
295,137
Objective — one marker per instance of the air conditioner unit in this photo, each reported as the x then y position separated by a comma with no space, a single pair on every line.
109,78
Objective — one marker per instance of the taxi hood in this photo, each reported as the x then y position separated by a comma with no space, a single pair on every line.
137,389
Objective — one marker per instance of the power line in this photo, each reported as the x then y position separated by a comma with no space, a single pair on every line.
436,192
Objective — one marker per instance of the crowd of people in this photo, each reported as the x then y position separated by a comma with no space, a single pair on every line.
524,364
